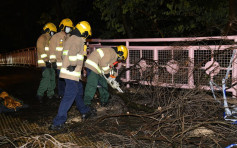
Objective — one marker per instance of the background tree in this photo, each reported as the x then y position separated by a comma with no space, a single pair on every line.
117,18
76,10
232,23
163,18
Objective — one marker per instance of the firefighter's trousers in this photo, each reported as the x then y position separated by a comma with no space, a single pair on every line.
47,83
93,80
61,84
73,92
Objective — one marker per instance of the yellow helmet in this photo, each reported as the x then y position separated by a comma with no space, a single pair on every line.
122,52
84,28
65,23
49,27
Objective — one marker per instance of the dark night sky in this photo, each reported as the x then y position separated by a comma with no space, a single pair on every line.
19,22
19,26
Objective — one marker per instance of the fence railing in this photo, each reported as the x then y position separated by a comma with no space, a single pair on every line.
177,62
27,56
168,62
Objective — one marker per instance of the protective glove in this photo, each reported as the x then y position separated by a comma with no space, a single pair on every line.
48,64
54,65
71,68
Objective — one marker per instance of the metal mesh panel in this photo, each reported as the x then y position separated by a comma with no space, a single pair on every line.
164,76
223,57
134,56
200,77
181,76
148,54
181,56
164,56
218,78
135,74
148,74
201,57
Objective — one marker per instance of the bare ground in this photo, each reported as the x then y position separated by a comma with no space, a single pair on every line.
139,118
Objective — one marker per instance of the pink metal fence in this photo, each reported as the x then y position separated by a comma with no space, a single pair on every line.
173,63
27,56
177,64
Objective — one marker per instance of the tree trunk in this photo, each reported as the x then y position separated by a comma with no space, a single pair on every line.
126,24
231,28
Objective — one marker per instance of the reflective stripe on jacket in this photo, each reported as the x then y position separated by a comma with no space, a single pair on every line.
56,47
73,54
42,49
101,59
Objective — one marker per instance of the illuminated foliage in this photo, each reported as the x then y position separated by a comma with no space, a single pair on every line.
163,18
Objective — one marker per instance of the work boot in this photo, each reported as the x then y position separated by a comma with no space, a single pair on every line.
56,127
86,115
104,104
91,113
56,96
51,97
93,110
40,98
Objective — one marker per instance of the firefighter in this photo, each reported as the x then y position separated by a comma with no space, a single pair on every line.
47,82
102,60
74,50
56,49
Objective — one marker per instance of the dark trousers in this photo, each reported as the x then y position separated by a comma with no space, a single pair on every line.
73,92
61,84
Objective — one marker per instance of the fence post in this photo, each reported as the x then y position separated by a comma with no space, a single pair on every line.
127,66
191,68
234,74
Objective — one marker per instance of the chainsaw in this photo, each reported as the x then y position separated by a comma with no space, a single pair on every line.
113,83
